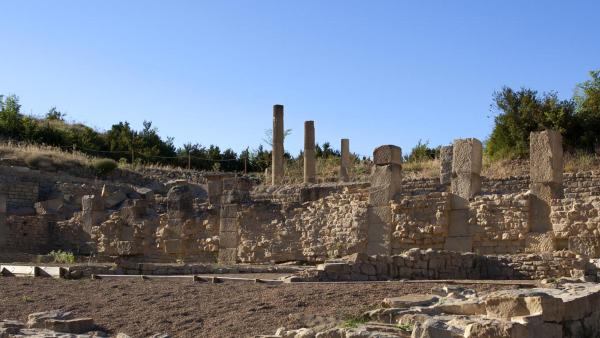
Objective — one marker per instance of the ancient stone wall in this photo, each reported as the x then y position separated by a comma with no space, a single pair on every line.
499,223
29,234
332,226
420,221
436,264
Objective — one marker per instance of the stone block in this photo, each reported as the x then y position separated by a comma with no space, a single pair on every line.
459,223
125,248
387,154
76,325
229,225
410,300
379,214
540,242
227,255
228,239
92,203
2,204
546,157
465,186
378,239
215,189
586,246
446,164
229,183
172,246
229,210
467,155
459,244
38,320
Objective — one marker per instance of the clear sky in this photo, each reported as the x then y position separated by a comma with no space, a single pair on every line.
377,72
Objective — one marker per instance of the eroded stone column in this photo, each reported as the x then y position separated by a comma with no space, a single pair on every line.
446,165
467,156
93,212
310,165
277,154
3,227
345,160
386,181
546,175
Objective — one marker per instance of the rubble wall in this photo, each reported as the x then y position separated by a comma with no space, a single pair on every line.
28,234
328,227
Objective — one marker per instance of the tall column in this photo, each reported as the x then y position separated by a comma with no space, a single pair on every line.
277,154
467,158
3,227
310,166
546,175
386,181
345,160
445,165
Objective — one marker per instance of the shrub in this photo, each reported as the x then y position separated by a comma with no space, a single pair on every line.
104,166
62,257
39,161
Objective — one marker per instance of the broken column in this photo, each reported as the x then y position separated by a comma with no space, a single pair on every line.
93,212
345,160
445,165
310,165
235,191
467,155
386,181
277,154
546,175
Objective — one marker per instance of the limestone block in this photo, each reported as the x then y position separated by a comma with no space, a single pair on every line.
227,255
459,223
114,198
92,203
2,204
467,155
215,189
38,320
546,157
125,248
378,240
229,225
459,244
76,325
586,246
387,154
229,183
172,246
228,239
379,214
446,164
229,210
464,186
386,175
410,300
540,242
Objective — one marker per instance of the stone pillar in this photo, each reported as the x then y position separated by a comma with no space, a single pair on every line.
3,227
546,176
445,165
345,160
310,165
92,212
386,181
228,234
467,155
277,154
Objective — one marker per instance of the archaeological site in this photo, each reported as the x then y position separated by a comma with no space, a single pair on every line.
151,252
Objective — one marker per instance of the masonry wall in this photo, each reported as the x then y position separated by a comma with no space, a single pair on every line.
28,234
328,227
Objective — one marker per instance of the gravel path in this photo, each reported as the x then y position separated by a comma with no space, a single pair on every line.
186,309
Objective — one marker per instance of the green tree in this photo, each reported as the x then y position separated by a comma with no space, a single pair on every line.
11,120
587,100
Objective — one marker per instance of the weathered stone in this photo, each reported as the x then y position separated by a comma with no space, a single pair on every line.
344,160
411,300
76,325
38,319
310,164
277,153
467,157
387,154
446,164
546,157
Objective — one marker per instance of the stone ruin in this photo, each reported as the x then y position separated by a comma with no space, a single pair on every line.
231,219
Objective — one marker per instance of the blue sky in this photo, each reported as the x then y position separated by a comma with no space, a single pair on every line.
377,72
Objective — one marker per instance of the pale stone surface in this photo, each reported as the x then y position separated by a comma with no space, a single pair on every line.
310,164
278,151
446,164
387,154
410,301
546,157
467,155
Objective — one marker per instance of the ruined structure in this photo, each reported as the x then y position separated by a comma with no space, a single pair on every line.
231,219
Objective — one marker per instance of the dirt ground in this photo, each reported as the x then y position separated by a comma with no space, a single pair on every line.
186,309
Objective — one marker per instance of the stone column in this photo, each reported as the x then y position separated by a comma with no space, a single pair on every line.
228,234
467,157
3,227
93,212
345,160
546,175
310,165
445,165
386,181
277,154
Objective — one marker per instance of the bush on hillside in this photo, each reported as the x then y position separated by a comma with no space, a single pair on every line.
104,166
